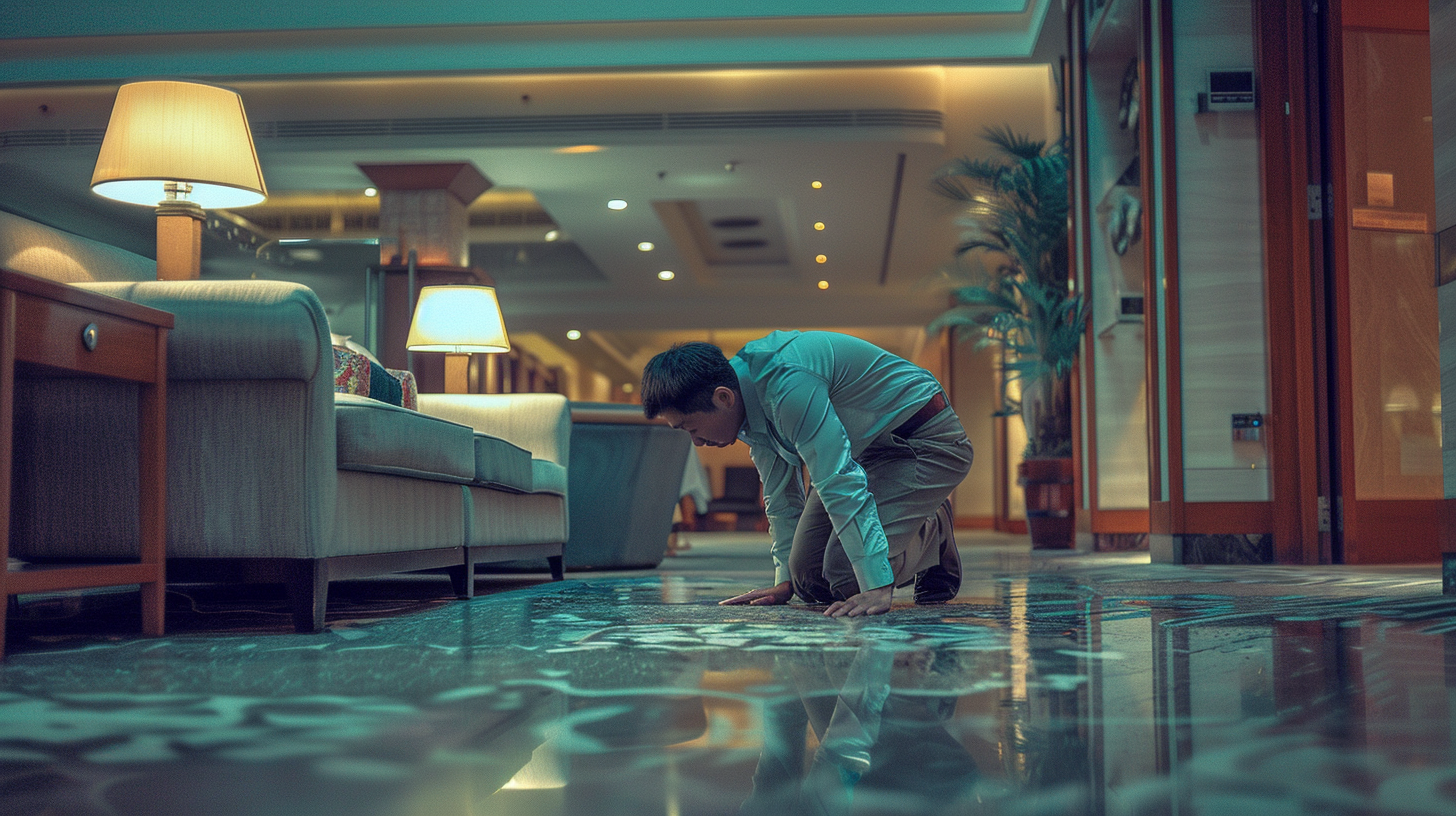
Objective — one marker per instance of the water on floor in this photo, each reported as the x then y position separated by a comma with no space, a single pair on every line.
1054,684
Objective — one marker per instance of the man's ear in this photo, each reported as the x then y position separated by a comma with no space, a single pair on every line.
723,397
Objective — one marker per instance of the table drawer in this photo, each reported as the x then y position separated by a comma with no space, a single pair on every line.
53,334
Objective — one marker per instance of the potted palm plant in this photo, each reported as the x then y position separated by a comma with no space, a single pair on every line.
1020,300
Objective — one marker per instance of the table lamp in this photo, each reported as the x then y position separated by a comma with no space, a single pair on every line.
179,147
458,320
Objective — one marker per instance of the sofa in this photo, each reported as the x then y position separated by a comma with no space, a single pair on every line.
273,476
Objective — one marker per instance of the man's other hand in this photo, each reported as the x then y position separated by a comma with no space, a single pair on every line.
869,602
779,594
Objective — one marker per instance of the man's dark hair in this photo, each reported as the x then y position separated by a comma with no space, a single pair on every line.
684,377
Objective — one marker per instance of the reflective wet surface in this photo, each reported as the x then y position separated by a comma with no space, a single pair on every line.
1055,684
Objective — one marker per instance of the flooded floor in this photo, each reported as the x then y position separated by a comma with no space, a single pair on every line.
1054,684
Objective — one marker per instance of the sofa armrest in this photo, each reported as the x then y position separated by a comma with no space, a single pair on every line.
252,447
237,329
540,423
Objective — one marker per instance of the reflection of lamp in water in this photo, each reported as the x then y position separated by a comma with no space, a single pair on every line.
545,770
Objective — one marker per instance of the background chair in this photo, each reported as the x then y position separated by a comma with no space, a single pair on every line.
742,496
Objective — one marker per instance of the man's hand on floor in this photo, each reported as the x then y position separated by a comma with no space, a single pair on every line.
869,602
779,594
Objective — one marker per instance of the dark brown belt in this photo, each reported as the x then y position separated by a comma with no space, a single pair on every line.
927,412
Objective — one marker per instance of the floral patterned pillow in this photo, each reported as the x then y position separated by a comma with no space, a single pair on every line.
355,373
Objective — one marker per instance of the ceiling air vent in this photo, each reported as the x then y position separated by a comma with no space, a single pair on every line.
736,223
509,125
52,138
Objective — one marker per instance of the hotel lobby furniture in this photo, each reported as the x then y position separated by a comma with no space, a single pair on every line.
625,480
48,329
742,498
272,477
516,504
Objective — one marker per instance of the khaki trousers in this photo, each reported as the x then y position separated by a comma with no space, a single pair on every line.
910,478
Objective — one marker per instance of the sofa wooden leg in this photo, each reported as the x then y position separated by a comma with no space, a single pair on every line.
462,577
558,570
308,594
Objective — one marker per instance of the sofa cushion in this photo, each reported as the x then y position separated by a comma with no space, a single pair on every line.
381,438
500,464
548,477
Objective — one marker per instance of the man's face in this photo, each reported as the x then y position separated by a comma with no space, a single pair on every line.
717,427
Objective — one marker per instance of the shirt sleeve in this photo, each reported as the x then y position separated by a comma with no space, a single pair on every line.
805,416
783,492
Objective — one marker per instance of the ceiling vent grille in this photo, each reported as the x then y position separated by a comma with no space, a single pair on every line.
508,125
52,138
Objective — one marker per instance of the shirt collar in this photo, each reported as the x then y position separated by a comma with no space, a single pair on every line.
754,422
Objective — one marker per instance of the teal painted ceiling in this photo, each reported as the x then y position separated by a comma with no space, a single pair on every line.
108,41
49,18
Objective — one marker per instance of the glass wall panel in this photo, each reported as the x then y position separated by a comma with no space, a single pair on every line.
1394,325
1118,368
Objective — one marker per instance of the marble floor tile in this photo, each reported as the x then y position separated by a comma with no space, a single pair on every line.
1064,683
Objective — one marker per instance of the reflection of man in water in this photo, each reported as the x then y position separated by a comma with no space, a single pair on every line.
880,751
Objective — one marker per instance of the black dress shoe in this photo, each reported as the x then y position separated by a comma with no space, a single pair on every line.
936,585
940,583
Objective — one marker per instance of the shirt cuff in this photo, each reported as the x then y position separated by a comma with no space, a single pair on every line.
871,570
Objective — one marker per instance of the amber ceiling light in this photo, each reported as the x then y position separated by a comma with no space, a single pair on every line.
180,147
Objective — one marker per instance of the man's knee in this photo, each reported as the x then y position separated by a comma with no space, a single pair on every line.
815,591
807,577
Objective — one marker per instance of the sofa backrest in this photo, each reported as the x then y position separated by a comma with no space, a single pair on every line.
46,252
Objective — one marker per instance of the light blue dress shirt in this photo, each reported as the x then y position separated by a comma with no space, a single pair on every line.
816,400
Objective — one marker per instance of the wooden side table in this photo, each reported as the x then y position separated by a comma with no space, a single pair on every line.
51,329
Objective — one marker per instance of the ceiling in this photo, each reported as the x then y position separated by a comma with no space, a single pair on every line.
717,166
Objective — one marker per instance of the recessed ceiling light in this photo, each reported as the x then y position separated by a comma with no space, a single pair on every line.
816,184
823,284
616,204
552,235
646,246
818,225
573,335
627,388
821,259
584,148
666,274
371,192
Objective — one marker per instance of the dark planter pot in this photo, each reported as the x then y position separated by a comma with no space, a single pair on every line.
1050,514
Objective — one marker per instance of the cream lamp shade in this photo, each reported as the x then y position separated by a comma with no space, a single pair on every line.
171,140
459,320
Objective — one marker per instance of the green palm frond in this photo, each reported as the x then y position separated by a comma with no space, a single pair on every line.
1012,143
1014,219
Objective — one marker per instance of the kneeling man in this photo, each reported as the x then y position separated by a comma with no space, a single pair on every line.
882,448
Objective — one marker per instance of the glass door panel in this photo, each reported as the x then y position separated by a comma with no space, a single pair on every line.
1117,259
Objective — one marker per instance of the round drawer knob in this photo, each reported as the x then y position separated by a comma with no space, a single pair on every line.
90,335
